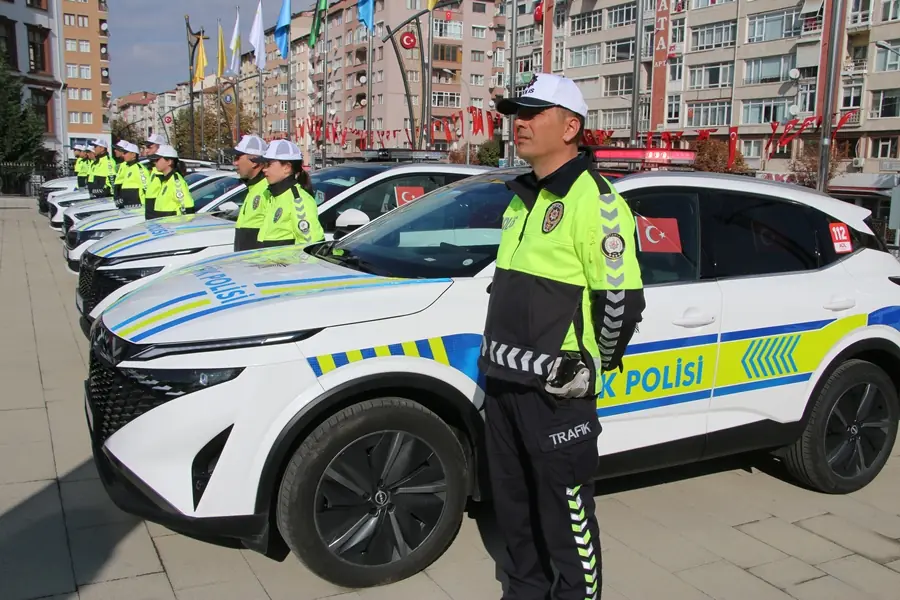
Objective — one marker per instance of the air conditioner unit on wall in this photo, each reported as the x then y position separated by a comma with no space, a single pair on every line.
859,162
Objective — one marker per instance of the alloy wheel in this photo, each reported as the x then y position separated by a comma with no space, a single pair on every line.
380,498
857,431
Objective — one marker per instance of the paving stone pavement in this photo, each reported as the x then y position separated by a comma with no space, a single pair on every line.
721,531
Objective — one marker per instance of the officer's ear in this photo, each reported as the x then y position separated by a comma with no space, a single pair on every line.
574,127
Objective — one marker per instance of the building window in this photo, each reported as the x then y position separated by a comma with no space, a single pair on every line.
69,20
593,120
84,46
84,71
771,69
673,109
82,21
41,102
8,42
617,118
621,15
39,4
71,71
412,76
719,75
852,94
677,32
476,79
38,42
479,32
75,118
525,36
479,7
676,68
476,102
445,100
777,25
751,148
619,50
584,56
885,147
87,118
769,110
447,53
806,98
71,45
885,103
73,93
890,10
714,35
708,114
618,85
477,55
448,29
586,22
499,57
695,4
887,60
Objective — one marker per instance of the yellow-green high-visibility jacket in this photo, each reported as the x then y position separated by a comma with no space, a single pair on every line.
292,216
103,176
174,198
132,183
567,277
253,213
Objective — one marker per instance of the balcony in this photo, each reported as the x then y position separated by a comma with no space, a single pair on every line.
856,66
102,6
812,25
104,75
104,28
104,52
854,120
859,20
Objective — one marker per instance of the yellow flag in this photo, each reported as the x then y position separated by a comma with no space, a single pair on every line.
432,4
220,62
200,69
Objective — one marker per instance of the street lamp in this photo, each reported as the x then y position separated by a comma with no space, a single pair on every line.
468,91
885,46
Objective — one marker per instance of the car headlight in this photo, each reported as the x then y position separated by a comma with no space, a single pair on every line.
92,234
84,215
178,382
68,202
129,275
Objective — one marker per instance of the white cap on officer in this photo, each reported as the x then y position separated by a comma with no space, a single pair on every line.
165,151
251,144
544,91
283,150
128,147
100,143
78,148
156,139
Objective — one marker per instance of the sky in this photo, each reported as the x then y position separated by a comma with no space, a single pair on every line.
148,46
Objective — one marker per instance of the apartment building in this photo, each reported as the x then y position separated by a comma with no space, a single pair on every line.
138,109
30,43
85,50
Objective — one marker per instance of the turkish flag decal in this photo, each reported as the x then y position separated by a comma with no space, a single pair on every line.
658,234
406,194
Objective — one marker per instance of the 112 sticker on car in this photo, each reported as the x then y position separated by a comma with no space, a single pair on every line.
840,236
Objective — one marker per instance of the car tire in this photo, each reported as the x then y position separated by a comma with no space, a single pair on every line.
314,509
826,457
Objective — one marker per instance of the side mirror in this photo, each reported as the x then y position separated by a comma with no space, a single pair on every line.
349,220
228,207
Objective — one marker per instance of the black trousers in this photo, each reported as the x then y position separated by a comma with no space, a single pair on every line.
542,458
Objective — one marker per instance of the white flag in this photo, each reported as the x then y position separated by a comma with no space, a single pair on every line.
258,39
235,46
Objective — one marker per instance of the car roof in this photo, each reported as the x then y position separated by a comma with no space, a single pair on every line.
844,211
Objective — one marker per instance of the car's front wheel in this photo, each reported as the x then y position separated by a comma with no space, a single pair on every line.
375,494
850,432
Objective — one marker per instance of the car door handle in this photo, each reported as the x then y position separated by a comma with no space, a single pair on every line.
694,320
840,304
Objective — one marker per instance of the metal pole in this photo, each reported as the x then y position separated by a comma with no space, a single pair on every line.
369,133
192,46
218,117
831,76
636,77
325,90
259,108
427,99
512,82
236,90
291,126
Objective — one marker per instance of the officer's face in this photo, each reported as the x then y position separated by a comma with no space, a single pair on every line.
543,131
276,171
246,168
151,149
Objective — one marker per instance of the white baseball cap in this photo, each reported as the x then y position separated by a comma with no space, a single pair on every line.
165,151
251,144
78,148
128,147
282,150
100,143
156,139
546,90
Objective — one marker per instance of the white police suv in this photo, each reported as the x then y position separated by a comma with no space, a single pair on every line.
128,259
327,398
211,196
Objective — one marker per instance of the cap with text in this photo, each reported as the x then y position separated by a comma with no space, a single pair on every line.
165,151
282,150
251,144
546,90
128,147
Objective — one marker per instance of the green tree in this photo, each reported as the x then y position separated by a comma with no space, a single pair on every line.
23,132
205,134
123,130
489,153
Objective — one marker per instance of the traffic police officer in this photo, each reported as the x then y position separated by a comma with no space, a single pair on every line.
81,164
150,146
174,196
118,153
565,299
133,180
253,211
292,216
103,171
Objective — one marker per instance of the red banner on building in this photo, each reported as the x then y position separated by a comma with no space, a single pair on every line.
660,64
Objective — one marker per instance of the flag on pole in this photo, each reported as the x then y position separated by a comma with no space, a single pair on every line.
200,69
283,29
366,13
235,46
258,39
432,4
321,11
220,59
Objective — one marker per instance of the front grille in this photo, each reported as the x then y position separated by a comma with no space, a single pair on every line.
68,222
95,285
53,210
117,398
71,239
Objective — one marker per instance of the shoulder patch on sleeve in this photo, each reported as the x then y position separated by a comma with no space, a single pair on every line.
613,246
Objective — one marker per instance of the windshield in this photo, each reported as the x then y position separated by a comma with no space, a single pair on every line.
331,181
452,232
192,178
207,192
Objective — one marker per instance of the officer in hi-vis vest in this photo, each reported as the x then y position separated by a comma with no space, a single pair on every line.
133,180
103,172
253,211
292,216
565,299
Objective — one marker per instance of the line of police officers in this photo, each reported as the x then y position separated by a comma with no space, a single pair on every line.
279,208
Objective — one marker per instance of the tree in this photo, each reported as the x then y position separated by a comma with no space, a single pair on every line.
712,156
123,130
23,132
805,167
489,153
181,130
459,156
